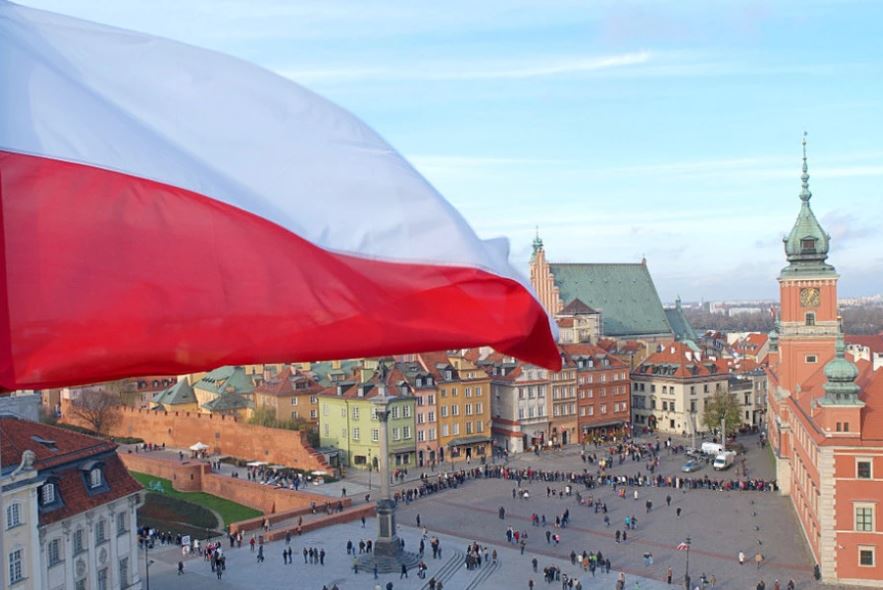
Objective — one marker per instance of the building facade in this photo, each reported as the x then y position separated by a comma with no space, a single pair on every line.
825,425
348,423
463,406
69,511
603,392
671,387
291,395
519,393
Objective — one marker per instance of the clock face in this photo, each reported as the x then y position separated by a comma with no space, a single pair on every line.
809,297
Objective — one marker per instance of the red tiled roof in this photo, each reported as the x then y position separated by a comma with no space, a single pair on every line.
72,449
684,361
283,385
874,342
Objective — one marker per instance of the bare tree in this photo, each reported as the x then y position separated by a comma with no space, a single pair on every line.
97,408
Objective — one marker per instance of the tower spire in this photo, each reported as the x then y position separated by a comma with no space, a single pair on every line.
805,195
537,242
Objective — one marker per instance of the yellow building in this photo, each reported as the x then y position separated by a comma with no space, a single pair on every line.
463,406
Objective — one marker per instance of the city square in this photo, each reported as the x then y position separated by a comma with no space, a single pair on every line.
720,525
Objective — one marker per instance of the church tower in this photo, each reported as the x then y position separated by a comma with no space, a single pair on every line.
542,279
808,327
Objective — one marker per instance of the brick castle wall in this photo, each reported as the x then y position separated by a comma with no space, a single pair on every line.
195,476
224,434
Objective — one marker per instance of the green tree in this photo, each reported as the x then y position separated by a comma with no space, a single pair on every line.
266,416
720,406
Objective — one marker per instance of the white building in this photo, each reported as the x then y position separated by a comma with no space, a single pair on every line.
68,511
520,406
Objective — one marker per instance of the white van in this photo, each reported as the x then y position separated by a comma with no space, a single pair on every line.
712,448
724,460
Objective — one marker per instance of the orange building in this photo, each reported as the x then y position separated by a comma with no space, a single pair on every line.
292,395
825,414
463,406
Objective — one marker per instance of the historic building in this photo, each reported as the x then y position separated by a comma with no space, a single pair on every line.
520,409
347,420
671,386
291,395
463,405
826,413
603,399
422,383
69,507
617,301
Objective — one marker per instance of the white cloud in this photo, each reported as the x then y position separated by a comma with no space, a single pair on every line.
466,70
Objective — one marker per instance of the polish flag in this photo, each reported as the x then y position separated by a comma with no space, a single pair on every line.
167,209
683,547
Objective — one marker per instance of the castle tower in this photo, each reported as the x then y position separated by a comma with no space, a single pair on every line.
808,326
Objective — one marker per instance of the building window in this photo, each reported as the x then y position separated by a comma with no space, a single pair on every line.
102,579
375,435
811,359
863,469
444,430
100,532
47,494
406,432
810,318
356,433
314,414
78,541
479,426
53,549
13,515
469,428
124,572
294,415
122,523
355,413
294,401
16,571
396,434
455,429
864,518
80,584
866,556
421,436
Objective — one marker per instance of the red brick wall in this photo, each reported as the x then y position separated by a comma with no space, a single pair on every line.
223,434
192,476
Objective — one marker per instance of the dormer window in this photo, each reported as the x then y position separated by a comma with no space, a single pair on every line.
95,477
808,245
48,494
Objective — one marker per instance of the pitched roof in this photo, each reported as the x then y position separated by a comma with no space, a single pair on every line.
873,341
577,307
62,453
623,293
225,380
680,325
179,393
227,402
288,383
678,360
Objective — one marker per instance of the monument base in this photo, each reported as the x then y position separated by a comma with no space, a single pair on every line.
388,556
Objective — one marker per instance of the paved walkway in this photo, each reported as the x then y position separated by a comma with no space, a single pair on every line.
243,572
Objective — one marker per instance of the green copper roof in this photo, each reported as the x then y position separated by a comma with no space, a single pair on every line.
679,323
806,247
179,393
623,293
841,375
226,379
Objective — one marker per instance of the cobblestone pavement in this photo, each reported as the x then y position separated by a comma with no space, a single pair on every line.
720,525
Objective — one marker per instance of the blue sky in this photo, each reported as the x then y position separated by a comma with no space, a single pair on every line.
665,129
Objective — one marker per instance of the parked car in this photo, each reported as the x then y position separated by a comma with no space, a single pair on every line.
724,460
691,466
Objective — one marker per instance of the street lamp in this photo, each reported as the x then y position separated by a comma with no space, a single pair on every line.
147,561
687,567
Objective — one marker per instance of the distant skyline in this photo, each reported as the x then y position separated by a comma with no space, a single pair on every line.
669,130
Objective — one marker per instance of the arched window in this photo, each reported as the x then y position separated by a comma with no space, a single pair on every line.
810,318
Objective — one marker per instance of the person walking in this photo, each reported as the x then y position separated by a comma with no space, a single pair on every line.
741,558
668,576
758,559
404,573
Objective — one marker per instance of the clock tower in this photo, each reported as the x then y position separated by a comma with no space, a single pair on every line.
808,327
